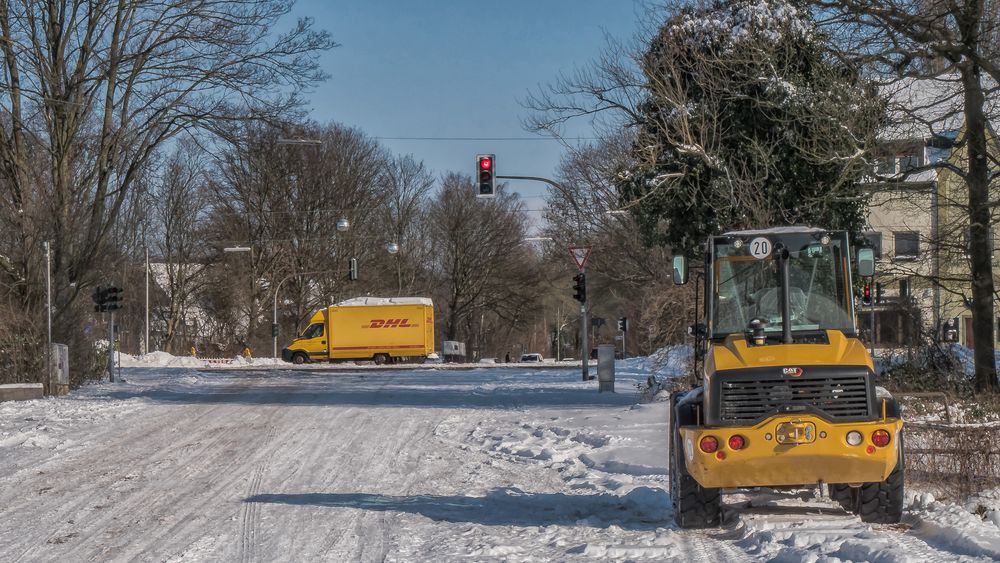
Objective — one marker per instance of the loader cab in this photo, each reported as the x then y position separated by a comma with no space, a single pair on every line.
779,286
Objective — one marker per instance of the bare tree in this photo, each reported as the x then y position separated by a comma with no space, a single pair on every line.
99,86
482,265
953,49
180,215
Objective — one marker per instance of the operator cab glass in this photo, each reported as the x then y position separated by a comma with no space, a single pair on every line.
313,331
746,283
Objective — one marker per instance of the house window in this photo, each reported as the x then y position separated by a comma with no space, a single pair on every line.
885,165
909,162
874,239
907,244
904,288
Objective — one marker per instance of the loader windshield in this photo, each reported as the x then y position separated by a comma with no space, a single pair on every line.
747,283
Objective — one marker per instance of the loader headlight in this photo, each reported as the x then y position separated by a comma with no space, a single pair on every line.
854,438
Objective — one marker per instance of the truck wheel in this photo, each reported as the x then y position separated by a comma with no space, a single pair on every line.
694,505
299,358
380,359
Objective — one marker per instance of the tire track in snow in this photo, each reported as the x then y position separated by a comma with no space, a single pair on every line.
250,513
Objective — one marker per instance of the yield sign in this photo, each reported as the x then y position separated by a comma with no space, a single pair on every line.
580,254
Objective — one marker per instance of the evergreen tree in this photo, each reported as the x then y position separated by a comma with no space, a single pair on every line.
748,122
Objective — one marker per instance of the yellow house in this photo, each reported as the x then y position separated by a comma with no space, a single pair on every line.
919,227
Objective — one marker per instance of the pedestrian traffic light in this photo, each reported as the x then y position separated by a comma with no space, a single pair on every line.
580,287
485,167
113,300
623,324
866,294
352,269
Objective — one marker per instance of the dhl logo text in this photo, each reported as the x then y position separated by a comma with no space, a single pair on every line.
391,323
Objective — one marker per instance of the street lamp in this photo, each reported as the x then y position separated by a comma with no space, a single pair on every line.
392,248
343,224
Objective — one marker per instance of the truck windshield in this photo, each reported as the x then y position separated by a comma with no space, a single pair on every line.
745,287
313,330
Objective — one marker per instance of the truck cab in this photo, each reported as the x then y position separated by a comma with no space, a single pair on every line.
787,395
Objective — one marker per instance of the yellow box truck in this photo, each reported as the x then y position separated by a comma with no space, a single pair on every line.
382,329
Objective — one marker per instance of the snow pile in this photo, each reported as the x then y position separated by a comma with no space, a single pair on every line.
159,359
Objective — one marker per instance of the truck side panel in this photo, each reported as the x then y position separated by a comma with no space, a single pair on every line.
397,330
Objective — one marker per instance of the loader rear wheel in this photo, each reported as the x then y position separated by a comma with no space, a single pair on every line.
380,359
694,506
880,502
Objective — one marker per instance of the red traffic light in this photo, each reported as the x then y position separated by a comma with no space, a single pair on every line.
485,163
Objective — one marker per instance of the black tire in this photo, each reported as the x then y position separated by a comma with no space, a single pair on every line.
299,358
380,359
694,505
878,503
844,495
882,502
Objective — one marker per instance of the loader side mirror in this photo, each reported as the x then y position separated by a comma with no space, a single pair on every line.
680,270
866,262
698,330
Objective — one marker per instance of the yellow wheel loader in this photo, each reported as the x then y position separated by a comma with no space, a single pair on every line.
787,395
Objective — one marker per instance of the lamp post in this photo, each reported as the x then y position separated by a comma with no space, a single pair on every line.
252,285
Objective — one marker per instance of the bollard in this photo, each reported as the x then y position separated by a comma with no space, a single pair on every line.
606,368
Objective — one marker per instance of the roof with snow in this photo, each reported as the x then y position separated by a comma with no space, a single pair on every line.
924,108
373,301
794,230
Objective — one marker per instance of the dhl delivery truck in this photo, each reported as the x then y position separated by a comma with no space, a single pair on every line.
367,328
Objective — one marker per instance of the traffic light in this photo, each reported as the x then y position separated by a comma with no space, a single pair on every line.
485,167
580,287
866,294
274,330
623,324
113,300
99,296
352,269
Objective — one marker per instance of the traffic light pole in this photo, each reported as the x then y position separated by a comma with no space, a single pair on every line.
111,349
584,341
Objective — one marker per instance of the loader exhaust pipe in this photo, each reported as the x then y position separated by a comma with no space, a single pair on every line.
786,304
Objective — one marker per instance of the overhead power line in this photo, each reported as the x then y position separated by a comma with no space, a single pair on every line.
485,139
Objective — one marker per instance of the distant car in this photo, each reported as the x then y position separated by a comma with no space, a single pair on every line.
487,360
531,357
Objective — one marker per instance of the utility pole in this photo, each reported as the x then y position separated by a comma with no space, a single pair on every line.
145,343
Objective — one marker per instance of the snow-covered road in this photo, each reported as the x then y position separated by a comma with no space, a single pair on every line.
426,465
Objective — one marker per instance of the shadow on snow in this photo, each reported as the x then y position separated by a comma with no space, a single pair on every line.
642,509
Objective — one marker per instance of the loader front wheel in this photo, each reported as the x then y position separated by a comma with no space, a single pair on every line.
694,506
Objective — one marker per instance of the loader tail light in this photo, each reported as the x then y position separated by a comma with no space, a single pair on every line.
880,438
709,444
737,442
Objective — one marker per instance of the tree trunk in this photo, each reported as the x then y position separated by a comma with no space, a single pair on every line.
980,248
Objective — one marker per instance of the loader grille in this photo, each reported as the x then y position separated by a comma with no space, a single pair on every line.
839,397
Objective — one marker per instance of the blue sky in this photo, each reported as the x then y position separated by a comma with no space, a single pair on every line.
452,68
